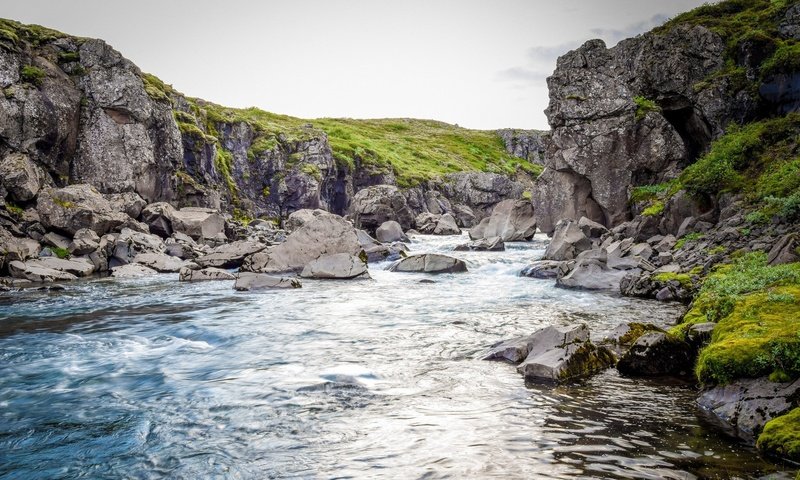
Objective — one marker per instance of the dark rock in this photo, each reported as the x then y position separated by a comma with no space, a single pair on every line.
511,220
372,206
492,244
544,269
786,250
206,274
657,354
567,242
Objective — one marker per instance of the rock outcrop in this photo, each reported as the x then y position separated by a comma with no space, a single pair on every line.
511,220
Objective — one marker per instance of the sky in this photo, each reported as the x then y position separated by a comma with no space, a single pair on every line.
479,64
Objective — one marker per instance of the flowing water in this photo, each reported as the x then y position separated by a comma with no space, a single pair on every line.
152,378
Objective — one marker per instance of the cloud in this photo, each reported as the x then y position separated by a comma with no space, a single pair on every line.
523,75
548,54
612,36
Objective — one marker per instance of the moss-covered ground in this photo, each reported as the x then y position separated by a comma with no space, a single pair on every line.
781,436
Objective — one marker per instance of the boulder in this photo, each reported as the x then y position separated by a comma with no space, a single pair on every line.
491,244
591,274
199,223
78,266
128,244
567,242
426,222
20,177
132,270
188,275
301,217
129,203
337,266
230,255
560,354
511,220
74,207
446,225
544,269
55,240
84,242
390,231
657,354
160,262
786,250
378,252
20,249
372,206
247,281
429,263
591,229
744,406
324,235
158,218
38,273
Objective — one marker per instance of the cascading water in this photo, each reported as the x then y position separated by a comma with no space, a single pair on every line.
153,378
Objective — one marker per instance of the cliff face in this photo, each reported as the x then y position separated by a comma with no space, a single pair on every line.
79,112
638,113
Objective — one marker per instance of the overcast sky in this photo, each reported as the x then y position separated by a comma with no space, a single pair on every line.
480,64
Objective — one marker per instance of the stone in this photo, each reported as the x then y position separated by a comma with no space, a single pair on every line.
786,250
491,244
324,235
206,274
129,203
513,351
19,249
78,266
561,354
744,406
567,242
247,281
35,272
658,354
429,263
84,242
337,266
372,206
543,269
160,262
589,274
158,218
591,229
20,177
301,217
230,255
390,231
199,223
446,225
75,207
55,240
128,244
511,220
132,270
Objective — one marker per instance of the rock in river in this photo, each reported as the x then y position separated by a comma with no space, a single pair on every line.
188,275
247,281
337,266
429,263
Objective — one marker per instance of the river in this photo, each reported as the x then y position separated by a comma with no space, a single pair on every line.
381,378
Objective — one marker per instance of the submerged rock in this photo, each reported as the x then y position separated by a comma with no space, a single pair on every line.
247,281
206,274
429,263
337,266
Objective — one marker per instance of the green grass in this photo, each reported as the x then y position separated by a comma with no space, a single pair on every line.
656,208
32,75
781,436
685,279
757,307
60,252
690,237
67,57
644,106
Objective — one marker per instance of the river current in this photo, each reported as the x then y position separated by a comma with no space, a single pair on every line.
381,378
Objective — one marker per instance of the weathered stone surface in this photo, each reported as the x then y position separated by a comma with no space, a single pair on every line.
132,270
655,354
378,252
129,203
20,249
544,269
206,274
390,231
74,207
323,236
36,272
446,225
491,244
84,242
78,266
372,206
160,262
511,220
53,239
301,217
340,266
128,244
590,274
247,281
567,242
479,191
158,217
230,255
199,223
20,176
429,263
527,144
786,250
746,405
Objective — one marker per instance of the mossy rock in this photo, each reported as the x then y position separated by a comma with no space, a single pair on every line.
781,437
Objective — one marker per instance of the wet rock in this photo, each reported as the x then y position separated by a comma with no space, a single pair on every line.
567,242
624,336
746,405
544,269
74,207
84,242
591,274
20,177
36,272
492,244
446,226
389,232
372,206
340,266
160,262
657,354
325,235
247,281
230,255
206,274
511,220
429,263
132,270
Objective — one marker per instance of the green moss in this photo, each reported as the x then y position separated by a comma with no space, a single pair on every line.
685,279
63,203
311,170
655,209
36,35
265,191
781,436
60,252
635,331
222,162
644,106
14,210
190,129
717,250
156,88
32,75
690,237
67,57
786,59
527,195
242,216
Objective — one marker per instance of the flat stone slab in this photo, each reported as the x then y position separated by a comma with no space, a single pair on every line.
429,263
247,281
207,274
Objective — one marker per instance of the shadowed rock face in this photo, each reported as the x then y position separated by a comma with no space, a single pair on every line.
606,138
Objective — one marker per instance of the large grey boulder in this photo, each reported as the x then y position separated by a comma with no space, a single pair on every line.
511,220
592,274
129,203
74,207
429,263
301,217
230,255
446,225
247,281
324,235
656,354
377,251
544,269
20,176
160,262
206,274
786,250
78,266
390,231
567,242
341,266
374,205
84,242
746,405
479,191
517,349
36,272
132,270
199,223
128,244
15,248
491,244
